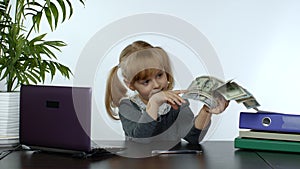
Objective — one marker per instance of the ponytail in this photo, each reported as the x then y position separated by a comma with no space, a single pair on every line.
115,91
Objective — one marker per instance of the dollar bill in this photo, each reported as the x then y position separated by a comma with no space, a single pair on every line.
207,88
232,91
251,103
202,88
200,96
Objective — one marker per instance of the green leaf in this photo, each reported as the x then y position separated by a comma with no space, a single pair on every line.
43,69
38,38
20,79
55,44
49,17
52,69
63,9
31,78
63,70
55,14
71,8
31,10
35,74
35,4
48,2
49,53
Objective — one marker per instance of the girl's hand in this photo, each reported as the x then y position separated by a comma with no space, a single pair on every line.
222,104
170,96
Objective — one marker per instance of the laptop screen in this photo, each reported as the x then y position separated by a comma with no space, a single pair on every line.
55,117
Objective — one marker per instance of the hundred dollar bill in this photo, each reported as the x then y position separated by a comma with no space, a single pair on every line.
201,96
232,91
207,88
202,89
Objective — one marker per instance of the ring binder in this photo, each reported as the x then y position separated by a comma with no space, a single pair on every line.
270,121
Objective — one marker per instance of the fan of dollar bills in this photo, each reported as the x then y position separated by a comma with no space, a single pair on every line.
207,88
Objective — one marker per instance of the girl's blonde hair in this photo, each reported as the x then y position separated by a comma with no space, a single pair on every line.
137,61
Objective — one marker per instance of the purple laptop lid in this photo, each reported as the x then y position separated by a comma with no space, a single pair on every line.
56,117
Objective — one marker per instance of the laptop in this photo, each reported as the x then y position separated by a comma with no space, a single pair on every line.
58,119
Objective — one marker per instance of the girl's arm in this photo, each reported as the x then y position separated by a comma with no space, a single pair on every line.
203,118
170,96
205,113
135,123
199,127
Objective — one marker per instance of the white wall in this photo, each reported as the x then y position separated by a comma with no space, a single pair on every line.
256,41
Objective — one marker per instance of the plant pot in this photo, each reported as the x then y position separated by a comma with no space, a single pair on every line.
9,118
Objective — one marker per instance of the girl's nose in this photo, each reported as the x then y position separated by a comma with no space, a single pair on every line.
155,84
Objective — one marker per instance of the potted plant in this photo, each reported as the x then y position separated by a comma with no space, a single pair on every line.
26,57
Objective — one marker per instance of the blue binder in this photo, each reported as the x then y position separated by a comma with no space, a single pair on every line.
270,121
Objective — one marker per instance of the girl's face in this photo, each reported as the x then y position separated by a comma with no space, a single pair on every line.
150,85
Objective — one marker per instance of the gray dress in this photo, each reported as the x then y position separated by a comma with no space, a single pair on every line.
172,125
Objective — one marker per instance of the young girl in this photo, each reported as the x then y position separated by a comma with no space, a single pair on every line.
154,112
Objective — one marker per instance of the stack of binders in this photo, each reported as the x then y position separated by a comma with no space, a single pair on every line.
269,131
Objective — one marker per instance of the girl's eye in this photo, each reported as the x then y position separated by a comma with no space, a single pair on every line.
146,82
159,75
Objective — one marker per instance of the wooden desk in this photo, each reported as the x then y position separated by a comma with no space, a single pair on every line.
216,155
